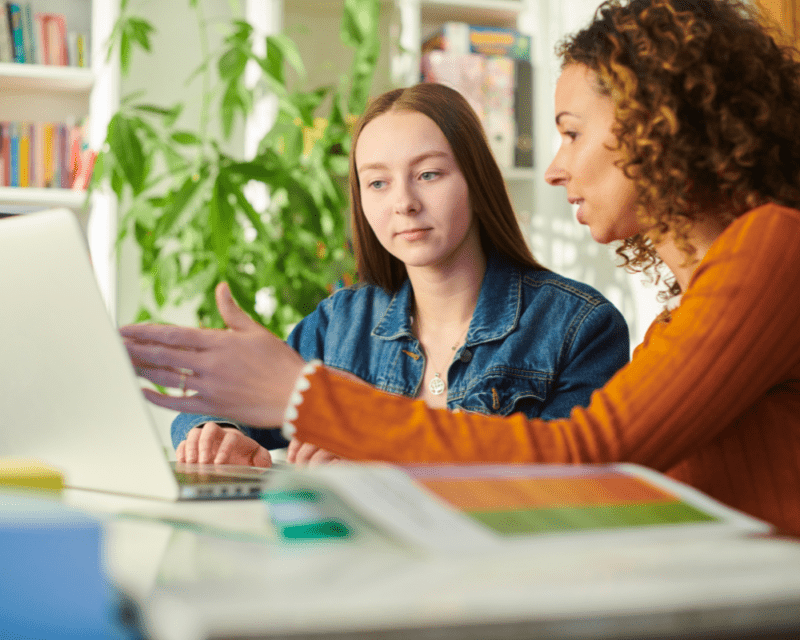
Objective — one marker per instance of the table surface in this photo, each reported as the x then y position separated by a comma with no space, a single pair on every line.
217,570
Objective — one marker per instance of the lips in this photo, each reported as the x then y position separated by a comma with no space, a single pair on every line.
413,234
578,204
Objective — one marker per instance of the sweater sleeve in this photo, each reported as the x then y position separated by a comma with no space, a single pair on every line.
734,336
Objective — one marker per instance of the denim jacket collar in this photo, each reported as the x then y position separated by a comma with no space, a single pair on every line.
496,312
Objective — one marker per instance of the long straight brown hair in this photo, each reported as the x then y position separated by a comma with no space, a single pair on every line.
491,206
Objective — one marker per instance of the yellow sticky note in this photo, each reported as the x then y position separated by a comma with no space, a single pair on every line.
29,474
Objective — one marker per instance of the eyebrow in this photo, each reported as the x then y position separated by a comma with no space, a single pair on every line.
565,113
415,160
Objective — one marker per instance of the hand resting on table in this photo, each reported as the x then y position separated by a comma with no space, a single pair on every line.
214,444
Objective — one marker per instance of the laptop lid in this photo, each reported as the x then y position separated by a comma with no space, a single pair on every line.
70,396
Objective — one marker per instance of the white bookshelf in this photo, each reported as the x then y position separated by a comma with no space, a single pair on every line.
44,93
23,200
40,77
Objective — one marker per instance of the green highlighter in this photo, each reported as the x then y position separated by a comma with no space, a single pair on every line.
298,515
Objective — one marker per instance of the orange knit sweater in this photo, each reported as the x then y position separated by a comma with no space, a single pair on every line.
712,397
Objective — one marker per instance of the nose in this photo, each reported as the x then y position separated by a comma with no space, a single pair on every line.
555,175
406,200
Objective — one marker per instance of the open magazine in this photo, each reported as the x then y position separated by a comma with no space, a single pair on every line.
473,507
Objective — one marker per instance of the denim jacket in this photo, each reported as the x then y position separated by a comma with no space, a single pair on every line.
538,343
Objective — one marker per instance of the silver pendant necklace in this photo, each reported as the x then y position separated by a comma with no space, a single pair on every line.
437,386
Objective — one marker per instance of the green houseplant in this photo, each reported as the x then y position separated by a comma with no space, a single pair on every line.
182,198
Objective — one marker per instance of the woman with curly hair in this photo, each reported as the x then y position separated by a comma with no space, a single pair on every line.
680,128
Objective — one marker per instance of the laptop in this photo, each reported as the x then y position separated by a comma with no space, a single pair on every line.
68,393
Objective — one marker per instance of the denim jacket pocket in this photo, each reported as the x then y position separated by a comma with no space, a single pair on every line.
506,391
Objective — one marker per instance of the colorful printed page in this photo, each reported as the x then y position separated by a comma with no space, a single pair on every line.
471,507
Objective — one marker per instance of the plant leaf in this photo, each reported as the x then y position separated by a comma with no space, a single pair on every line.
127,149
186,138
285,50
221,219
177,201
232,63
140,31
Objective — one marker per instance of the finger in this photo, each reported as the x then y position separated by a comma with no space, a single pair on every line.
261,458
180,452
235,318
148,355
183,404
291,450
190,444
210,438
166,334
234,448
182,378
321,456
305,452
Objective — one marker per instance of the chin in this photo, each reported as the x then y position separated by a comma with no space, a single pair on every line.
601,238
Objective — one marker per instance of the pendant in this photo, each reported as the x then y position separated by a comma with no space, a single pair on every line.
436,386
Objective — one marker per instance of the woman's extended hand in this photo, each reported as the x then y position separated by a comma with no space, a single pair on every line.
213,444
243,373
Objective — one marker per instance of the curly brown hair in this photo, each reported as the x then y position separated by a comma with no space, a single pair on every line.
707,112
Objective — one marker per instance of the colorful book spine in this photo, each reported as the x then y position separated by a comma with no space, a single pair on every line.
65,181
83,51
33,174
27,33
24,154
38,154
53,30
56,155
17,34
48,161
3,157
6,44
13,179
5,154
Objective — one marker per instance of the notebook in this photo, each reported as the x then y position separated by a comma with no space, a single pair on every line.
69,395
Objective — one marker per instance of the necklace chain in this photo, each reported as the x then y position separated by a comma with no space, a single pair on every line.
437,385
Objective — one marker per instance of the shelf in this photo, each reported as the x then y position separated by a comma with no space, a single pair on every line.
27,199
487,12
16,76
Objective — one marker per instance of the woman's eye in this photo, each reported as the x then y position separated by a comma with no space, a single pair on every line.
376,184
429,175
570,134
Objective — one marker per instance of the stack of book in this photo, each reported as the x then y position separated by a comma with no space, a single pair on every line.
44,155
31,37
491,67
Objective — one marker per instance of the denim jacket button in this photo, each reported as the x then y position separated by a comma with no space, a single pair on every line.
466,355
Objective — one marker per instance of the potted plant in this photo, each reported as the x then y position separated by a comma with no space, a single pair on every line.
182,198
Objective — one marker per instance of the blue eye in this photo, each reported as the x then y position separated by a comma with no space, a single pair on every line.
428,175
376,184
